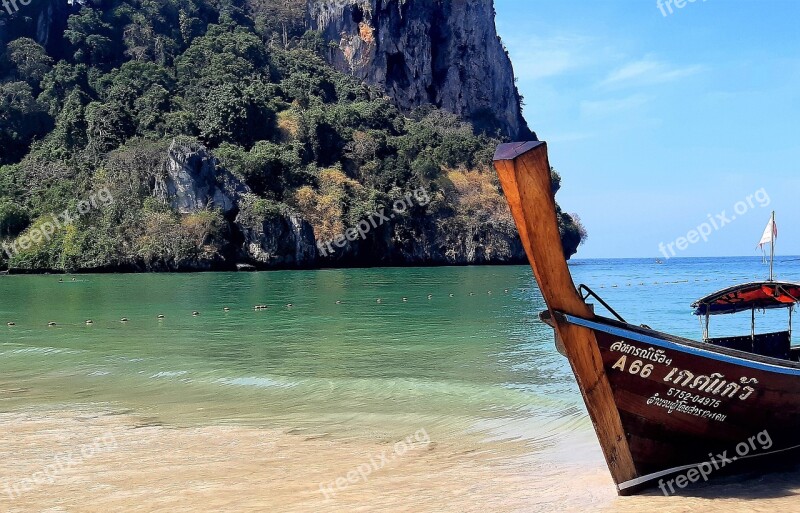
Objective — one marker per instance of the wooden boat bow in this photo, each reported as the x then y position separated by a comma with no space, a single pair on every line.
524,171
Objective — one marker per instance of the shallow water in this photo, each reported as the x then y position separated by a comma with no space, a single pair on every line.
476,371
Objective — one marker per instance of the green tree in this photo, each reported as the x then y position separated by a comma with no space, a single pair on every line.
30,60
22,119
90,38
13,218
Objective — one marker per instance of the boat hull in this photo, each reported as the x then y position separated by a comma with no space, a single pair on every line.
686,405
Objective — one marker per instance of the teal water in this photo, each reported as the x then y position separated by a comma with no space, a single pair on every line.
474,363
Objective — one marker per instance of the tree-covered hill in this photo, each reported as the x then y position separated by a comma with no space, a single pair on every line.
221,137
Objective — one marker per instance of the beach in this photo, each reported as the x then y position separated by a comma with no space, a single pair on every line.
222,468
141,467
444,404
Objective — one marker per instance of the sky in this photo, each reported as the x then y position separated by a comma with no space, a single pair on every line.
657,122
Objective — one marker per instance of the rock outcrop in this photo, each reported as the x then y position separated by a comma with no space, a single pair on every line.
421,241
193,181
427,52
277,241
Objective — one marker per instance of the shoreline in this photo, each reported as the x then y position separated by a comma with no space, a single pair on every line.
98,460
133,270
124,270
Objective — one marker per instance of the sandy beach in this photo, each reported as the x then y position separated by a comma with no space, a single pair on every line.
446,417
99,461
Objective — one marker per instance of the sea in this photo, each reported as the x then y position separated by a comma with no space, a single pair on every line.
454,359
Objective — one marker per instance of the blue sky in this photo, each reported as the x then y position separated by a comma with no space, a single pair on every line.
657,121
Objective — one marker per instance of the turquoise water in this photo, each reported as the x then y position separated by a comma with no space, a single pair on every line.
477,362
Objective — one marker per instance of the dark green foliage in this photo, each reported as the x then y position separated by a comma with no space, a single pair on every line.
99,107
13,218
22,119
29,60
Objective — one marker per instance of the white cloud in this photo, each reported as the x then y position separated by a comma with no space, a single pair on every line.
647,71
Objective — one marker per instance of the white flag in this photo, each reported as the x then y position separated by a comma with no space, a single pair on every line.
770,233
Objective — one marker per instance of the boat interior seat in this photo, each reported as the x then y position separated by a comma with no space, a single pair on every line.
774,345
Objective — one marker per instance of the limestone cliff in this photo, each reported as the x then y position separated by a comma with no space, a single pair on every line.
42,20
440,52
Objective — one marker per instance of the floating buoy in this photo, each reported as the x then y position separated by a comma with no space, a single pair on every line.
490,292
452,295
379,301
11,324
405,300
89,322
195,314
430,296
161,316
51,324
505,291
124,319
289,305
471,293
226,309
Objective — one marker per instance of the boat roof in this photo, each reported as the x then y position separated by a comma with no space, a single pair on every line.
760,295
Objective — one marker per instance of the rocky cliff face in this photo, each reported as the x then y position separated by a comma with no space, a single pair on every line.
42,20
441,52
281,241
194,181
425,241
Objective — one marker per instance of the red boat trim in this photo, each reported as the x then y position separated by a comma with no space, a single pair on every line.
649,477
649,339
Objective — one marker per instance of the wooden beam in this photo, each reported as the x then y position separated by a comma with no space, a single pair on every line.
524,171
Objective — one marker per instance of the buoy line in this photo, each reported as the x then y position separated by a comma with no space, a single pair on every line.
260,308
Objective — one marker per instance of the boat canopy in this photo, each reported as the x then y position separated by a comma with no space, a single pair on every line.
750,296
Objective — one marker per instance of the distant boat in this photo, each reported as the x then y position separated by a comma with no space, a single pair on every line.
658,261
665,408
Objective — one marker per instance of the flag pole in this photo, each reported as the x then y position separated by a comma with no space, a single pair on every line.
772,248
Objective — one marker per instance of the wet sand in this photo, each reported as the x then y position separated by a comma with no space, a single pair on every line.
101,461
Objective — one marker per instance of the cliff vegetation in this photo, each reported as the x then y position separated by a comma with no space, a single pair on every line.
224,136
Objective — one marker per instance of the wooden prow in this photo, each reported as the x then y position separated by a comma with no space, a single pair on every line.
524,172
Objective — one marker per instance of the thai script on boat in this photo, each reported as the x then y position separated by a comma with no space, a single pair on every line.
683,406
694,398
652,354
714,384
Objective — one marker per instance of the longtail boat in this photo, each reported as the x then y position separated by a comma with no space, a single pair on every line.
667,410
